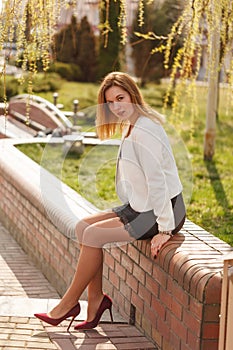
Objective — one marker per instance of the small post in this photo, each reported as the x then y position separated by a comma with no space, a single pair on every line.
226,316
75,103
55,96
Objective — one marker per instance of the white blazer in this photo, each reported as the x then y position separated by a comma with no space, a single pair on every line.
146,174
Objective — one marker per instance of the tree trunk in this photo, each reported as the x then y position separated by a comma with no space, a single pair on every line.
212,98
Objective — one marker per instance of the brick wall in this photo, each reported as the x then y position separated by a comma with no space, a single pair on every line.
175,299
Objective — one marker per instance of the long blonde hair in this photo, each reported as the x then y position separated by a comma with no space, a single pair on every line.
106,122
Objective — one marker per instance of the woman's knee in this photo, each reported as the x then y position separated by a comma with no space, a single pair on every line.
80,228
92,237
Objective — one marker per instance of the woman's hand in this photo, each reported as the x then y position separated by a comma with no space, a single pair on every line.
157,242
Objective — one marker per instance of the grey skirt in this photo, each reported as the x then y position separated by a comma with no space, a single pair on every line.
144,225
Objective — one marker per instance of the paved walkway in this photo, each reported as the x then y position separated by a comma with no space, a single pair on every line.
24,290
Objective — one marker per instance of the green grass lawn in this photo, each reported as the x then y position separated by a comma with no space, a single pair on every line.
209,187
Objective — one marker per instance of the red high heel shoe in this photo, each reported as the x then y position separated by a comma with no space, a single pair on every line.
55,321
105,304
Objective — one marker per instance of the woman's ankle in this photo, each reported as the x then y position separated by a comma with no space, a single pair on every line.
95,296
62,308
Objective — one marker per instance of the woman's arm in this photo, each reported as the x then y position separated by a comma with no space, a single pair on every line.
152,155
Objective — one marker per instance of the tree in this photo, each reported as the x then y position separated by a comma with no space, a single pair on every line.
141,48
157,22
109,49
28,24
75,44
66,43
197,17
87,58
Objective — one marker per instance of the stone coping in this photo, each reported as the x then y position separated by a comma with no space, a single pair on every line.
63,205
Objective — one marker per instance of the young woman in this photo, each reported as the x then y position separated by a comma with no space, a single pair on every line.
148,185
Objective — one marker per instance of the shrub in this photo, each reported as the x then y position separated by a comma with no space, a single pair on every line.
12,88
68,71
44,82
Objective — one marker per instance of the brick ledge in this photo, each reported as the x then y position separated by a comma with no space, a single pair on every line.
175,299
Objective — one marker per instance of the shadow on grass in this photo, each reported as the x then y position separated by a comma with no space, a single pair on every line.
216,183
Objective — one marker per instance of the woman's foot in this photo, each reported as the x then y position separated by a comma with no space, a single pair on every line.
93,306
105,304
72,312
61,309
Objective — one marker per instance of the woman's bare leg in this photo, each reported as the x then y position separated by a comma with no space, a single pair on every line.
95,289
95,294
90,263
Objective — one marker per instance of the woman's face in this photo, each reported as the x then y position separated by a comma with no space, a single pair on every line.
119,102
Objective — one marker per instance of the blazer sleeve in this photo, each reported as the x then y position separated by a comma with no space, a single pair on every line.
152,153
